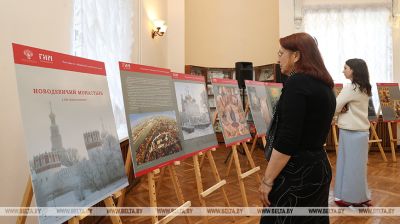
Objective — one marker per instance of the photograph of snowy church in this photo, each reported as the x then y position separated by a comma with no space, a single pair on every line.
64,176
193,109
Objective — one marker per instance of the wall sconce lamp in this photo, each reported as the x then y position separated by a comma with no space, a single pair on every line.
159,28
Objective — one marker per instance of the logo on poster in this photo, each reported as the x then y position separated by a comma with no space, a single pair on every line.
126,66
46,57
28,54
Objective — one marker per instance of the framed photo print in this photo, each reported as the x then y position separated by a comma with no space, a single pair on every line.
265,73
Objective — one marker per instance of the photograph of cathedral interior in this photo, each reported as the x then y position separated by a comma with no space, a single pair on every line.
230,111
334,151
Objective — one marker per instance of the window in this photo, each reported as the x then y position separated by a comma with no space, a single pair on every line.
345,32
103,31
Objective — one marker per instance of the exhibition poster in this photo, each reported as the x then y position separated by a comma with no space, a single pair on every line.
337,88
195,121
154,131
258,103
70,134
389,97
230,111
274,91
372,116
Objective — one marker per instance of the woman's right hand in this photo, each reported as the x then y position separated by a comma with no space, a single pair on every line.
264,193
344,109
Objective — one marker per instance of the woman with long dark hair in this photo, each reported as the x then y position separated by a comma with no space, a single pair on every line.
298,172
351,186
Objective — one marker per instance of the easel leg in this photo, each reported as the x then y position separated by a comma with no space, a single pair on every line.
239,172
109,202
335,138
128,167
26,200
199,184
152,195
392,147
264,141
73,220
160,179
228,169
253,146
177,188
216,175
370,142
379,141
202,160
250,159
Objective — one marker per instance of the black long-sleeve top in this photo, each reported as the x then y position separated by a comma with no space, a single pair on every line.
305,111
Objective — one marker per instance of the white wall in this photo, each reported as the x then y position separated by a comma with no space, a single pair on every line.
43,24
176,35
220,33
396,54
167,51
286,18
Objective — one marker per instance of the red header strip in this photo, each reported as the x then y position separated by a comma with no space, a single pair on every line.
124,66
224,81
338,84
181,76
273,84
253,83
31,56
387,84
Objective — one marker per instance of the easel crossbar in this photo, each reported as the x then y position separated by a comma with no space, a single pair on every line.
213,188
175,213
248,173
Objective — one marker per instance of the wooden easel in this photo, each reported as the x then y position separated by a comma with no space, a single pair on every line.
392,140
239,173
202,194
257,136
153,191
253,146
375,139
334,136
27,199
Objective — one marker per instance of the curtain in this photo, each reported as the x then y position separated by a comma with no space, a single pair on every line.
345,32
103,30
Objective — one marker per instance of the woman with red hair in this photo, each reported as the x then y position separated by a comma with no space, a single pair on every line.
298,172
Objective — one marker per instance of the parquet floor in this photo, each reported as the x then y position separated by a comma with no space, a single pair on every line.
384,183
